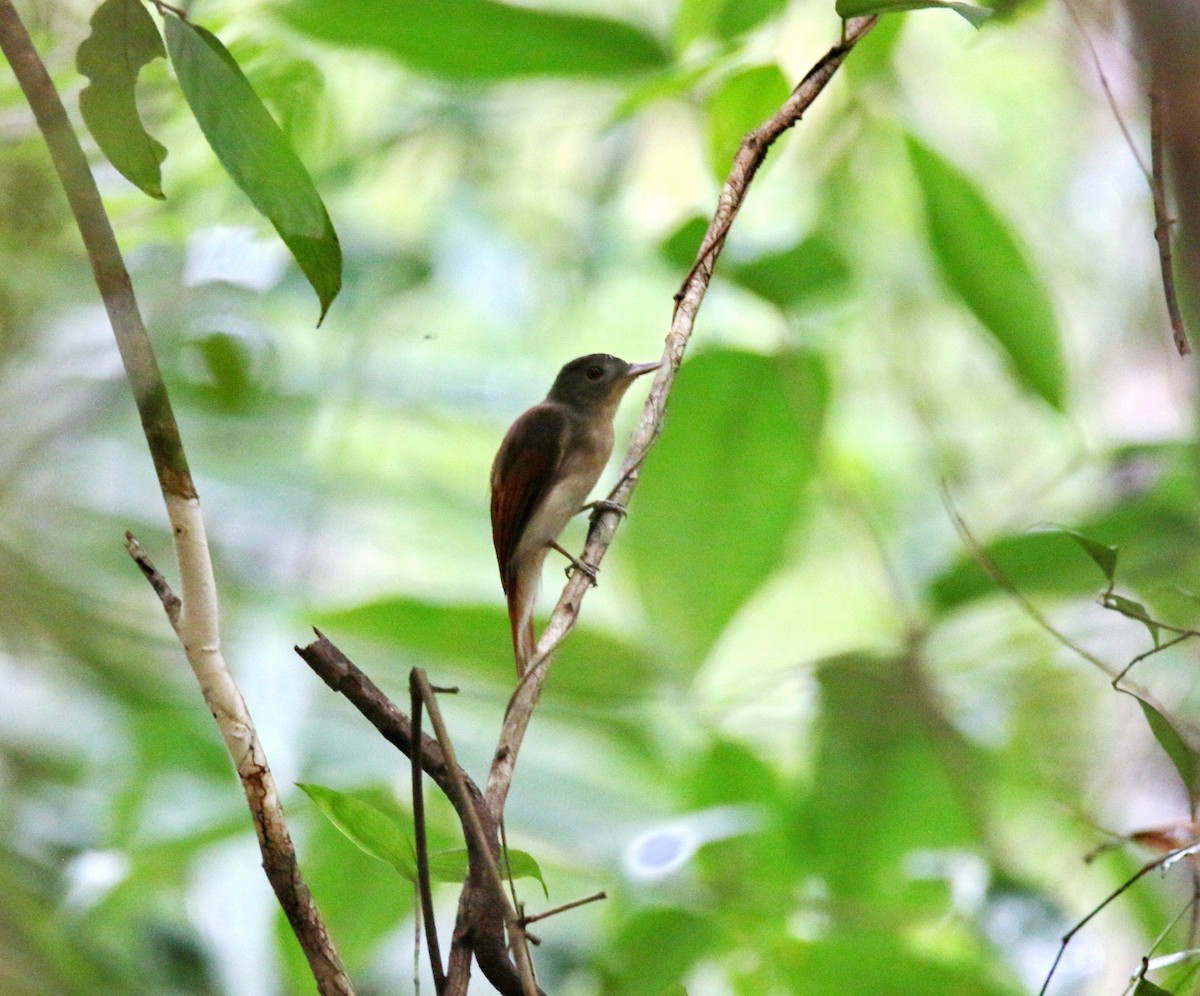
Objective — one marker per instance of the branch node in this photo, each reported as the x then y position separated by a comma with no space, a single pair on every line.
170,601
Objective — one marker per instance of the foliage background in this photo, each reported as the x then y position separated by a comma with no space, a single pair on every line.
890,771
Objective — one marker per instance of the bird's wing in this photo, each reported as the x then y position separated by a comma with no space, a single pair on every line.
522,475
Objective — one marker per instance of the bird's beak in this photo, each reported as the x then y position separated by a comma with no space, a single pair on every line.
637,369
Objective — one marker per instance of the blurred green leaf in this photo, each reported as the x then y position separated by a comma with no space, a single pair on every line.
883,962
255,153
812,270
123,40
740,104
1185,759
873,54
983,262
1147,988
722,491
676,81
368,828
892,776
725,19
481,40
594,668
680,247
1153,525
736,17
657,947
1104,555
974,15
452,866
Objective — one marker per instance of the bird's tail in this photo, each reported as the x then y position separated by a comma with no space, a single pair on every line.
521,586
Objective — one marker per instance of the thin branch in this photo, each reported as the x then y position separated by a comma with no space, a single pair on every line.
170,601
1108,94
1154,179
1162,225
749,157
1116,682
194,617
425,889
1003,581
594,897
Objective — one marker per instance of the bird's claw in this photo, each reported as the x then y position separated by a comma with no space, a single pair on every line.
602,505
583,567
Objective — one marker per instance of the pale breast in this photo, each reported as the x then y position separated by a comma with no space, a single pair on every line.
585,456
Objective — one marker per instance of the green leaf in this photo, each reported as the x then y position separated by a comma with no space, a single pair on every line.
1133,610
368,828
680,247
123,40
736,17
810,271
722,491
884,747
725,19
479,39
1104,555
658,946
1154,526
973,14
451,866
740,104
984,263
1186,761
1147,988
255,153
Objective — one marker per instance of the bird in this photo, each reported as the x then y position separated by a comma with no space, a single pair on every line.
548,462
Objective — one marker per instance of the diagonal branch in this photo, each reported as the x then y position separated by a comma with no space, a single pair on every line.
194,616
749,158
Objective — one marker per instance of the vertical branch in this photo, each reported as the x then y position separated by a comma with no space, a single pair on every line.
1163,222
422,846
194,616
473,827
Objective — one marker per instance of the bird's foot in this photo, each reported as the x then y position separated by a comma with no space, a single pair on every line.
602,505
578,565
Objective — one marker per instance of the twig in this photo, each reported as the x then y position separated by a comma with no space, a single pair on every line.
170,601
473,827
194,616
425,889
1165,860
749,157
1003,581
1116,682
594,897
1154,179
1162,225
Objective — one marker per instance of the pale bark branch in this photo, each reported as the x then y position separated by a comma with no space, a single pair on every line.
194,616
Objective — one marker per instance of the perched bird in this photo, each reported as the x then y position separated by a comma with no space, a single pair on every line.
549,460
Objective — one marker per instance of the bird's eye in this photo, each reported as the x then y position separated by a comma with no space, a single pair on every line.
594,372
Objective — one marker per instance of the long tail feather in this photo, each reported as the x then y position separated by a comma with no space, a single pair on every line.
522,584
